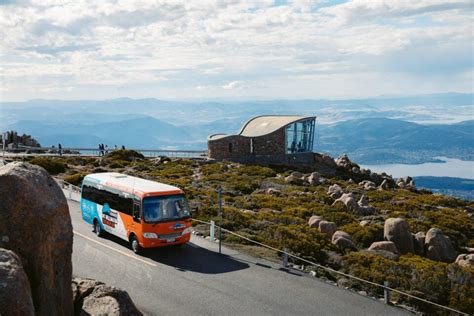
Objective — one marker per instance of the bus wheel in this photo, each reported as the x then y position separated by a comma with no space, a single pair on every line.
135,245
97,230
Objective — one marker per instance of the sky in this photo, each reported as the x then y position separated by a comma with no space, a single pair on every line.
100,49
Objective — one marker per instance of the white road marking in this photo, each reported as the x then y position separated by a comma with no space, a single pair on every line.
116,250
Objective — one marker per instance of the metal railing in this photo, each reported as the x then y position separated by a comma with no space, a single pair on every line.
71,189
95,152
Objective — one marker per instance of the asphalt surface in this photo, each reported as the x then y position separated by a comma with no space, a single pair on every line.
196,280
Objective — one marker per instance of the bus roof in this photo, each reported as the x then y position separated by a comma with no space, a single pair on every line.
133,185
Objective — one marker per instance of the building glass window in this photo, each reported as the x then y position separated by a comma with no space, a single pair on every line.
300,137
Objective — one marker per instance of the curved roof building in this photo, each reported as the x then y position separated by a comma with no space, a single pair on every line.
266,135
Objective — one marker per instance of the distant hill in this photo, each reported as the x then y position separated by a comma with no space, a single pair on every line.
460,188
381,140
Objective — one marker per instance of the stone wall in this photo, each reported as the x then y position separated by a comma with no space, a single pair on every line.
271,144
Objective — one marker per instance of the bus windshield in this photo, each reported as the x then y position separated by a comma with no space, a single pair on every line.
164,208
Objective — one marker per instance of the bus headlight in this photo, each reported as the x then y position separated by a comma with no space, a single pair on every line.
187,231
150,235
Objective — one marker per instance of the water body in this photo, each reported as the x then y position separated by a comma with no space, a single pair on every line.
450,167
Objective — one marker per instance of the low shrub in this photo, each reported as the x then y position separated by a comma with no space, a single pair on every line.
75,179
53,166
124,154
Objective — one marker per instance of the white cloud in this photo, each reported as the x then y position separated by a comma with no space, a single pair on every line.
224,48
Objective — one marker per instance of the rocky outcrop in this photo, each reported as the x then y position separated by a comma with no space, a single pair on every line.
438,247
368,185
344,162
382,253
343,240
384,245
92,297
398,231
15,293
329,228
419,243
35,224
349,202
335,191
314,178
465,260
295,178
405,183
314,221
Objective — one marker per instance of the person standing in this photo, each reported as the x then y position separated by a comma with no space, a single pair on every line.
60,149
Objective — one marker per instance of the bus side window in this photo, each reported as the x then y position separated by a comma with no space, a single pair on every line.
136,212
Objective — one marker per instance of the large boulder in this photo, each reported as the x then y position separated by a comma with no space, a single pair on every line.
465,260
35,224
384,245
438,247
398,231
349,202
15,292
343,240
314,221
335,191
329,228
92,297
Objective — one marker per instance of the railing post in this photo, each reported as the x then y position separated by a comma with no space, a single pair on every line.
70,191
285,257
213,227
386,292
219,200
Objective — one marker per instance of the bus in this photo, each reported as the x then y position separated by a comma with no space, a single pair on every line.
145,213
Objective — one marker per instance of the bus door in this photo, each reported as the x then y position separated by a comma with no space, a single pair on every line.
136,218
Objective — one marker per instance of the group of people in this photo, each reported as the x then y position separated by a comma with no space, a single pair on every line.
296,147
104,149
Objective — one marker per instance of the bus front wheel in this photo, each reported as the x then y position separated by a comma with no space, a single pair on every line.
97,230
135,244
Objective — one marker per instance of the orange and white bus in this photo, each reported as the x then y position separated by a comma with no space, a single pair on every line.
146,213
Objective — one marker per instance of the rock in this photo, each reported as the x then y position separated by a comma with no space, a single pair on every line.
364,201
382,253
314,221
344,243
34,205
405,183
438,247
349,201
368,185
313,178
398,231
385,185
355,170
465,260
328,228
384,245
335,260
364,223
15,292
419,243
295,178
335,191
92,297
344,162
268,191
340,234
344,282
366,210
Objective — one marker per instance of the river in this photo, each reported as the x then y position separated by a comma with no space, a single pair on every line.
450,167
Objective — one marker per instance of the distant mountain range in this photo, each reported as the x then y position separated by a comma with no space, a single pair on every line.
370,131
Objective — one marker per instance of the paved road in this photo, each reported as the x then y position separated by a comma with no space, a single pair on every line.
195,280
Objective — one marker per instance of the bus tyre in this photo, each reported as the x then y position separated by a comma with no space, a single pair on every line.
135,245
97,230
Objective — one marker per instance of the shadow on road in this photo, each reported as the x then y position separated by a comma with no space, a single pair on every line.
195,259
189,258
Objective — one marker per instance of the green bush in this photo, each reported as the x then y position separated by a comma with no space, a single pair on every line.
53,166
124,154
364,236
75,179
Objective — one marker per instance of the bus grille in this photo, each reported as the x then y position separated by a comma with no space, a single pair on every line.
167,236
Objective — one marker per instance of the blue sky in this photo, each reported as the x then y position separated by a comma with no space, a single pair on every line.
233,49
